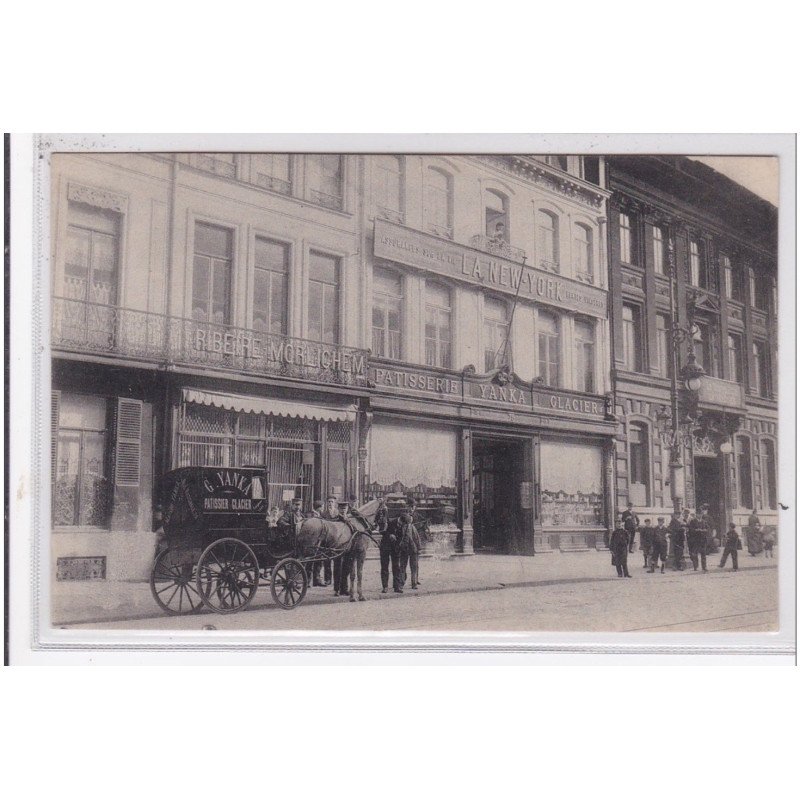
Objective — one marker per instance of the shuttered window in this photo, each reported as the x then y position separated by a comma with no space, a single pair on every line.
128,442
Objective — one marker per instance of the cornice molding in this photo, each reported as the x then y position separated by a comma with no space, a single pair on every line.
540,174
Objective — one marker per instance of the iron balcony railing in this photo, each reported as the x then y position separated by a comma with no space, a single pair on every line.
93,328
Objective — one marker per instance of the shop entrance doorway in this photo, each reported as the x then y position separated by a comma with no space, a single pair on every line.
708,489
497,472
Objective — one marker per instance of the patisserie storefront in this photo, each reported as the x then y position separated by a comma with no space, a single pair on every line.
509,466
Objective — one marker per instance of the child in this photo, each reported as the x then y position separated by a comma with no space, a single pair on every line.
769,542
732,545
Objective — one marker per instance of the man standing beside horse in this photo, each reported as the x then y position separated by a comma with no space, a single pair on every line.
409,543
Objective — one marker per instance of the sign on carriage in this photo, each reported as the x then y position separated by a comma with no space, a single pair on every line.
232,491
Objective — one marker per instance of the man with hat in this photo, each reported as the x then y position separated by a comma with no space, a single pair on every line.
677,535
697,540
630,522
409,543
290,521
618,544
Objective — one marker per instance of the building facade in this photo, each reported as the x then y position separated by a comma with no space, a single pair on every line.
359,325
691,250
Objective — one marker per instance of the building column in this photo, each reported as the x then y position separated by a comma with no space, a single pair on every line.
466,490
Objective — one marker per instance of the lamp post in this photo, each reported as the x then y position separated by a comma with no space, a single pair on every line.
678,420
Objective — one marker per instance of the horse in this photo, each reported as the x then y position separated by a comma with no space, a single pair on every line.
352,538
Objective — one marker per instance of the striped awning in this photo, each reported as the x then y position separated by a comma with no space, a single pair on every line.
268,405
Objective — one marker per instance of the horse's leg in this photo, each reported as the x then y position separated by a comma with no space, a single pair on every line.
361,558
352,574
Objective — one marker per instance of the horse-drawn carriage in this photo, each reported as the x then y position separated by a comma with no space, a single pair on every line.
219,545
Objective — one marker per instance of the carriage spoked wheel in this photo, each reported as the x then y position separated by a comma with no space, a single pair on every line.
289,583
172,582
227,576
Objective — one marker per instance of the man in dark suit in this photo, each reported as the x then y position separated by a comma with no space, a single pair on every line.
388,549
659,546
677,535
646,541
697,541
630,522
409,543
618,544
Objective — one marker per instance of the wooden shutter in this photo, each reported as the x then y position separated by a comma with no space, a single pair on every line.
55,406
127,463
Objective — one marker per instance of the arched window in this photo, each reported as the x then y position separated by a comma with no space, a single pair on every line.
497,349
438,202
658,250
547,240
638,464
549,347
769,491
438,336
387,307
582,243
389,186
496,211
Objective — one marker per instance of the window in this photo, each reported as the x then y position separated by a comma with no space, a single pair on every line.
547,240
387,307
584,355
211,283
496,216
761,376
631,338
658,250
219,163
272,171
664,346
769,489
591,169
389,186
438,338
438,205
549,344
323,298
270,286
733,288
497,349
92,256
82,488
582,242
745,472
734,357
325,179
627,239
697,269
639,465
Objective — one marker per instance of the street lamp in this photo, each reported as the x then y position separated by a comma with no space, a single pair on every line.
677,422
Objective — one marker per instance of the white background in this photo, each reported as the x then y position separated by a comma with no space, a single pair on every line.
697,731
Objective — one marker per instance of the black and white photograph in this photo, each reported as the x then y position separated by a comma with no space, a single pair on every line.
402,392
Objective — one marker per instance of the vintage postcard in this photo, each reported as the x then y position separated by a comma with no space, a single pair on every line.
296,397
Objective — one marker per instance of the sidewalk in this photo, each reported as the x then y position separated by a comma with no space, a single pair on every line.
110,601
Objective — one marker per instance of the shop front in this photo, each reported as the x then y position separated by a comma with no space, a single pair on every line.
510,467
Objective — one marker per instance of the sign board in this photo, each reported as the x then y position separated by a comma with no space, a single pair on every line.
414,248
586,406
721,394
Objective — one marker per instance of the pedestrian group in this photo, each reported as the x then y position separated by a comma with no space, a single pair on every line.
686,530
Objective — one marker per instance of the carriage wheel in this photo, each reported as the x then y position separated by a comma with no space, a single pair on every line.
173,584
227,576
289,583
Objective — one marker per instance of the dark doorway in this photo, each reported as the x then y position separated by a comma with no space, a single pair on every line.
497,471
708,489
